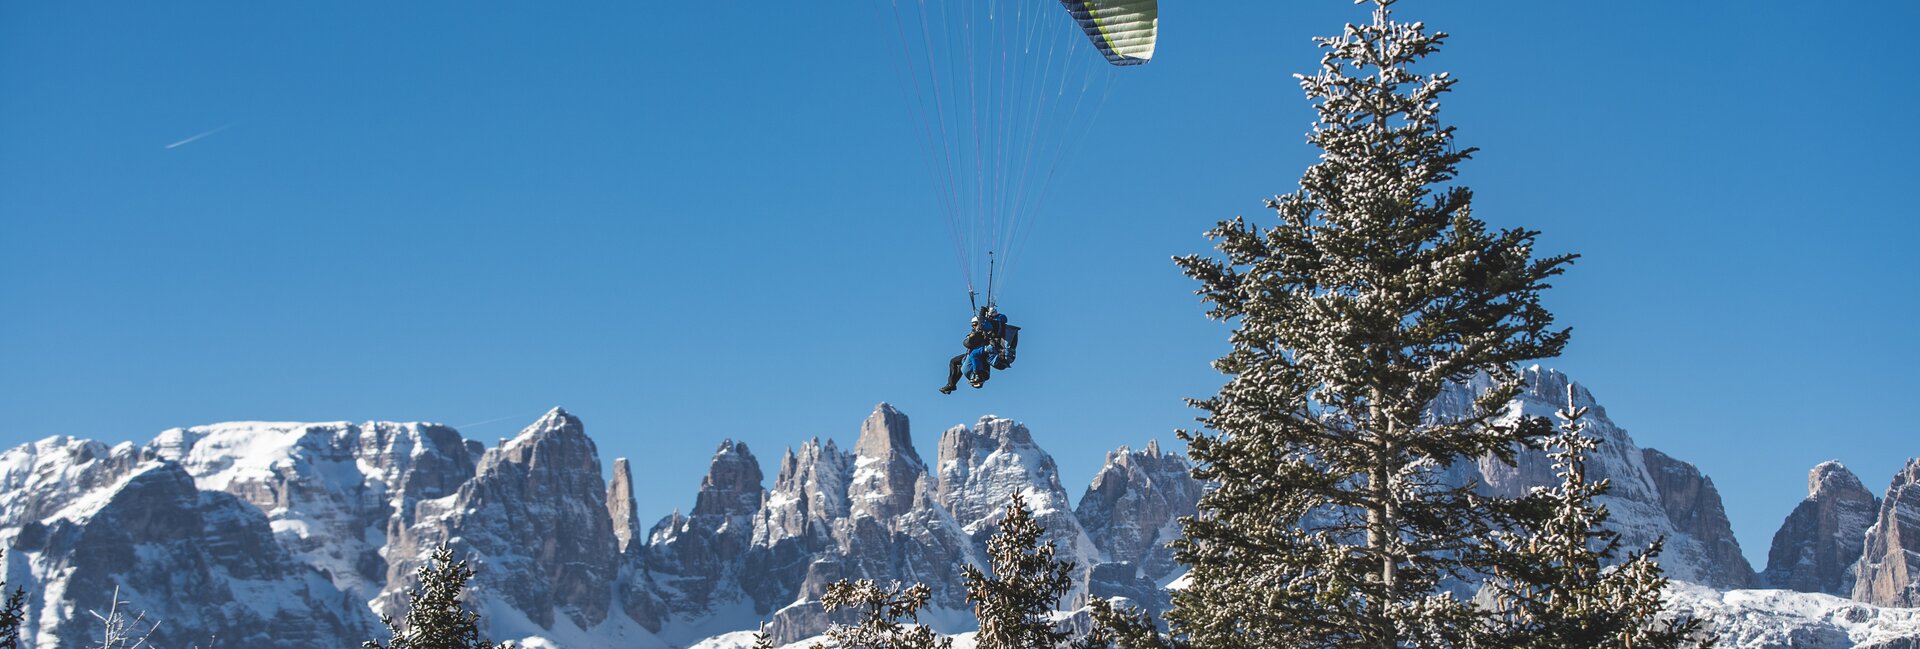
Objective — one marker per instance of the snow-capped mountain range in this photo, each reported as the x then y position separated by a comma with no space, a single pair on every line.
301,534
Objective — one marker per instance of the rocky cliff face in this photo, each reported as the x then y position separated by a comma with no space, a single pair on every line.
620,508
534,517
44,478
1133,507
982,467
1889,570
334,492
697,558
1692,506
806,516
202,564
895,526
1653,496
1132,511
1818,545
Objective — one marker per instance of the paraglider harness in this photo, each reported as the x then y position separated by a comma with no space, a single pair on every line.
1002,338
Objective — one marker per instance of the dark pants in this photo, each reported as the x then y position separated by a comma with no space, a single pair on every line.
953,370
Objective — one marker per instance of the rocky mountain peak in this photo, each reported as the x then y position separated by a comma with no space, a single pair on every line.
809,491
885,466
981,467
1832,477
1132,508
620,506
1889,569
536,507
1816,547
886,433
732,485
555,422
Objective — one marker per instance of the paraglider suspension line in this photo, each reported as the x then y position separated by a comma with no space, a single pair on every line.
990,267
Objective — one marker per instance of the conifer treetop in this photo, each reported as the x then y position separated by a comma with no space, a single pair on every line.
436,618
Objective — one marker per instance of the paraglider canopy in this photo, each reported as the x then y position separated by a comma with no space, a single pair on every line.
1124,30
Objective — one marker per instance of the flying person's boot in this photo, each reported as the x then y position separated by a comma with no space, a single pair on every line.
953,374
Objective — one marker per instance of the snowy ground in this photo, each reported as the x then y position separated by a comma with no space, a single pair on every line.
1764,619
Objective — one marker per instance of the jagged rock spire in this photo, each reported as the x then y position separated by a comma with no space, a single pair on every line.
886,467
1890,563
732,485
1816,547
620,507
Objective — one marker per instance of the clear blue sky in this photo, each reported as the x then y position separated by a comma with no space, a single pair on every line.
688,221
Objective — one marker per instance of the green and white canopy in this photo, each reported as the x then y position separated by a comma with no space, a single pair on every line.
1124,30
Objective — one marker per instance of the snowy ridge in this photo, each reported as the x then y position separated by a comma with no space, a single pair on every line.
1781,619
331,518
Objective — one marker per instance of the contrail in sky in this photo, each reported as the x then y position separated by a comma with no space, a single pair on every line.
196,137
489,421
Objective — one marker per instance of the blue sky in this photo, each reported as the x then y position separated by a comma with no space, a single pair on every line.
688,221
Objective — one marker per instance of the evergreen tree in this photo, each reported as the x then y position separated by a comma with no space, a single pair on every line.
436,619
1123,628
881,613
1553,587
762,639
1015,602
12,614
1329,524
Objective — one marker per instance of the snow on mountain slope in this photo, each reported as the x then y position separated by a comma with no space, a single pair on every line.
1782,619
43,478
202,564
982,467
333,491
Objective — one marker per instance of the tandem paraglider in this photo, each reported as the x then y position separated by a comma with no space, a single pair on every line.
1002,91
991,344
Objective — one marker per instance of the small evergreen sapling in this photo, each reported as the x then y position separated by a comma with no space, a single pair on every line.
882,612
1553,587
1015,603
436,619
1332,523
12,614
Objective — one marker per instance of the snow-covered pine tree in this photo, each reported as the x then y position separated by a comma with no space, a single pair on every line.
1376,287
12,613
1015,602
762,639
1553,586
1123,627
436,619
882,611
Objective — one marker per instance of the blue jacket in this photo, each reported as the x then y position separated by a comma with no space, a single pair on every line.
978,358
